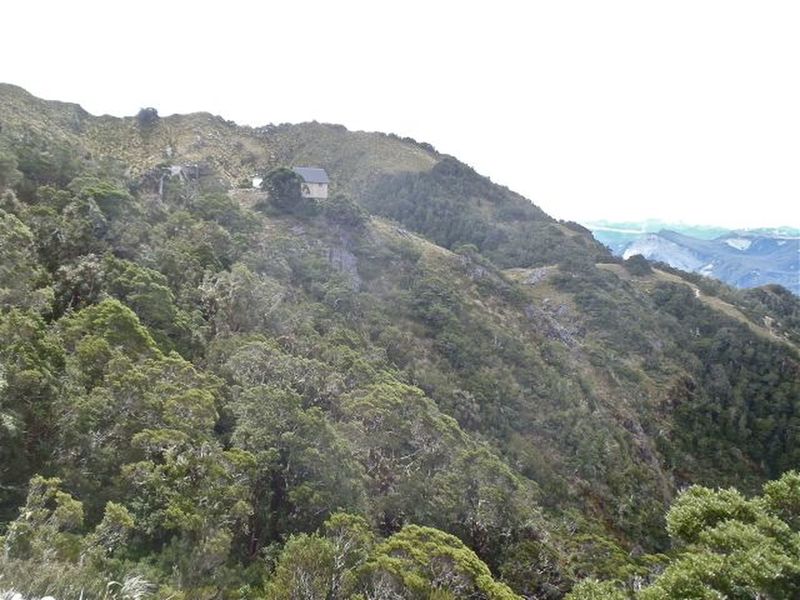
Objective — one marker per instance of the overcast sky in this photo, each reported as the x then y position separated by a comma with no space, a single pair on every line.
680,110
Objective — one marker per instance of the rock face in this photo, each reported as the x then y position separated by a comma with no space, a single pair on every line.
344,261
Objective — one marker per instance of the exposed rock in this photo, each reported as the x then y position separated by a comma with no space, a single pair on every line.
344,261
536,275
555,322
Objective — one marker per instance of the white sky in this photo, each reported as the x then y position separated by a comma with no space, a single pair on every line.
679,110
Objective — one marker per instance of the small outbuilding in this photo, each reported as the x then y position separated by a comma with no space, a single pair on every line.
315,182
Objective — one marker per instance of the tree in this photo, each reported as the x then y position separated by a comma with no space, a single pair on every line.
727,546
147,116
185,248
284,187
84,229
782,498
285,193
46,523
417,562
305,570
423,468
596,590
345,560
9,175
732,546
325,566
45,553
239,300
637,265
22,280
190,498
111,324
111,534
306,470
165,396
31,375
532,567
147,292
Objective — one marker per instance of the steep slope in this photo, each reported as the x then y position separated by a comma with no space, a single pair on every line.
214,381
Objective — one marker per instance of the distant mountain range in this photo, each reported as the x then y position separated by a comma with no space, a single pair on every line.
743,258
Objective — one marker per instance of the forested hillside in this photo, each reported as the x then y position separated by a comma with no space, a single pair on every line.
423,387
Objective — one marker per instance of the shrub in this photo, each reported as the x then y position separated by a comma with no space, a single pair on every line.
147,117
637,265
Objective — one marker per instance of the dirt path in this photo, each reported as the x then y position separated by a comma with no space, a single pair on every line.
726,308
716,303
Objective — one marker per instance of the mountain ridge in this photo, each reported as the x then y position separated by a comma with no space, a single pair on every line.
743,258
367,167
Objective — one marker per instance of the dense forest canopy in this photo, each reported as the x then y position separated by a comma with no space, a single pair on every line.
422,387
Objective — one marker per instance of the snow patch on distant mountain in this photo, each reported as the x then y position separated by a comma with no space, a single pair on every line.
655,247
739,243
707,270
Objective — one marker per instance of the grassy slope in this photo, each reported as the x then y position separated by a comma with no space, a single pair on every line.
398,178
236,152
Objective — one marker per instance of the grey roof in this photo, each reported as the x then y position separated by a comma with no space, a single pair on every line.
312,174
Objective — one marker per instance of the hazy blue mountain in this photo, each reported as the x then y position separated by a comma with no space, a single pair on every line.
744,258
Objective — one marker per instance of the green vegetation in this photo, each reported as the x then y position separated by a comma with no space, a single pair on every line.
637,265
349,561
203,398
147,116
283,186
724,546
452,205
